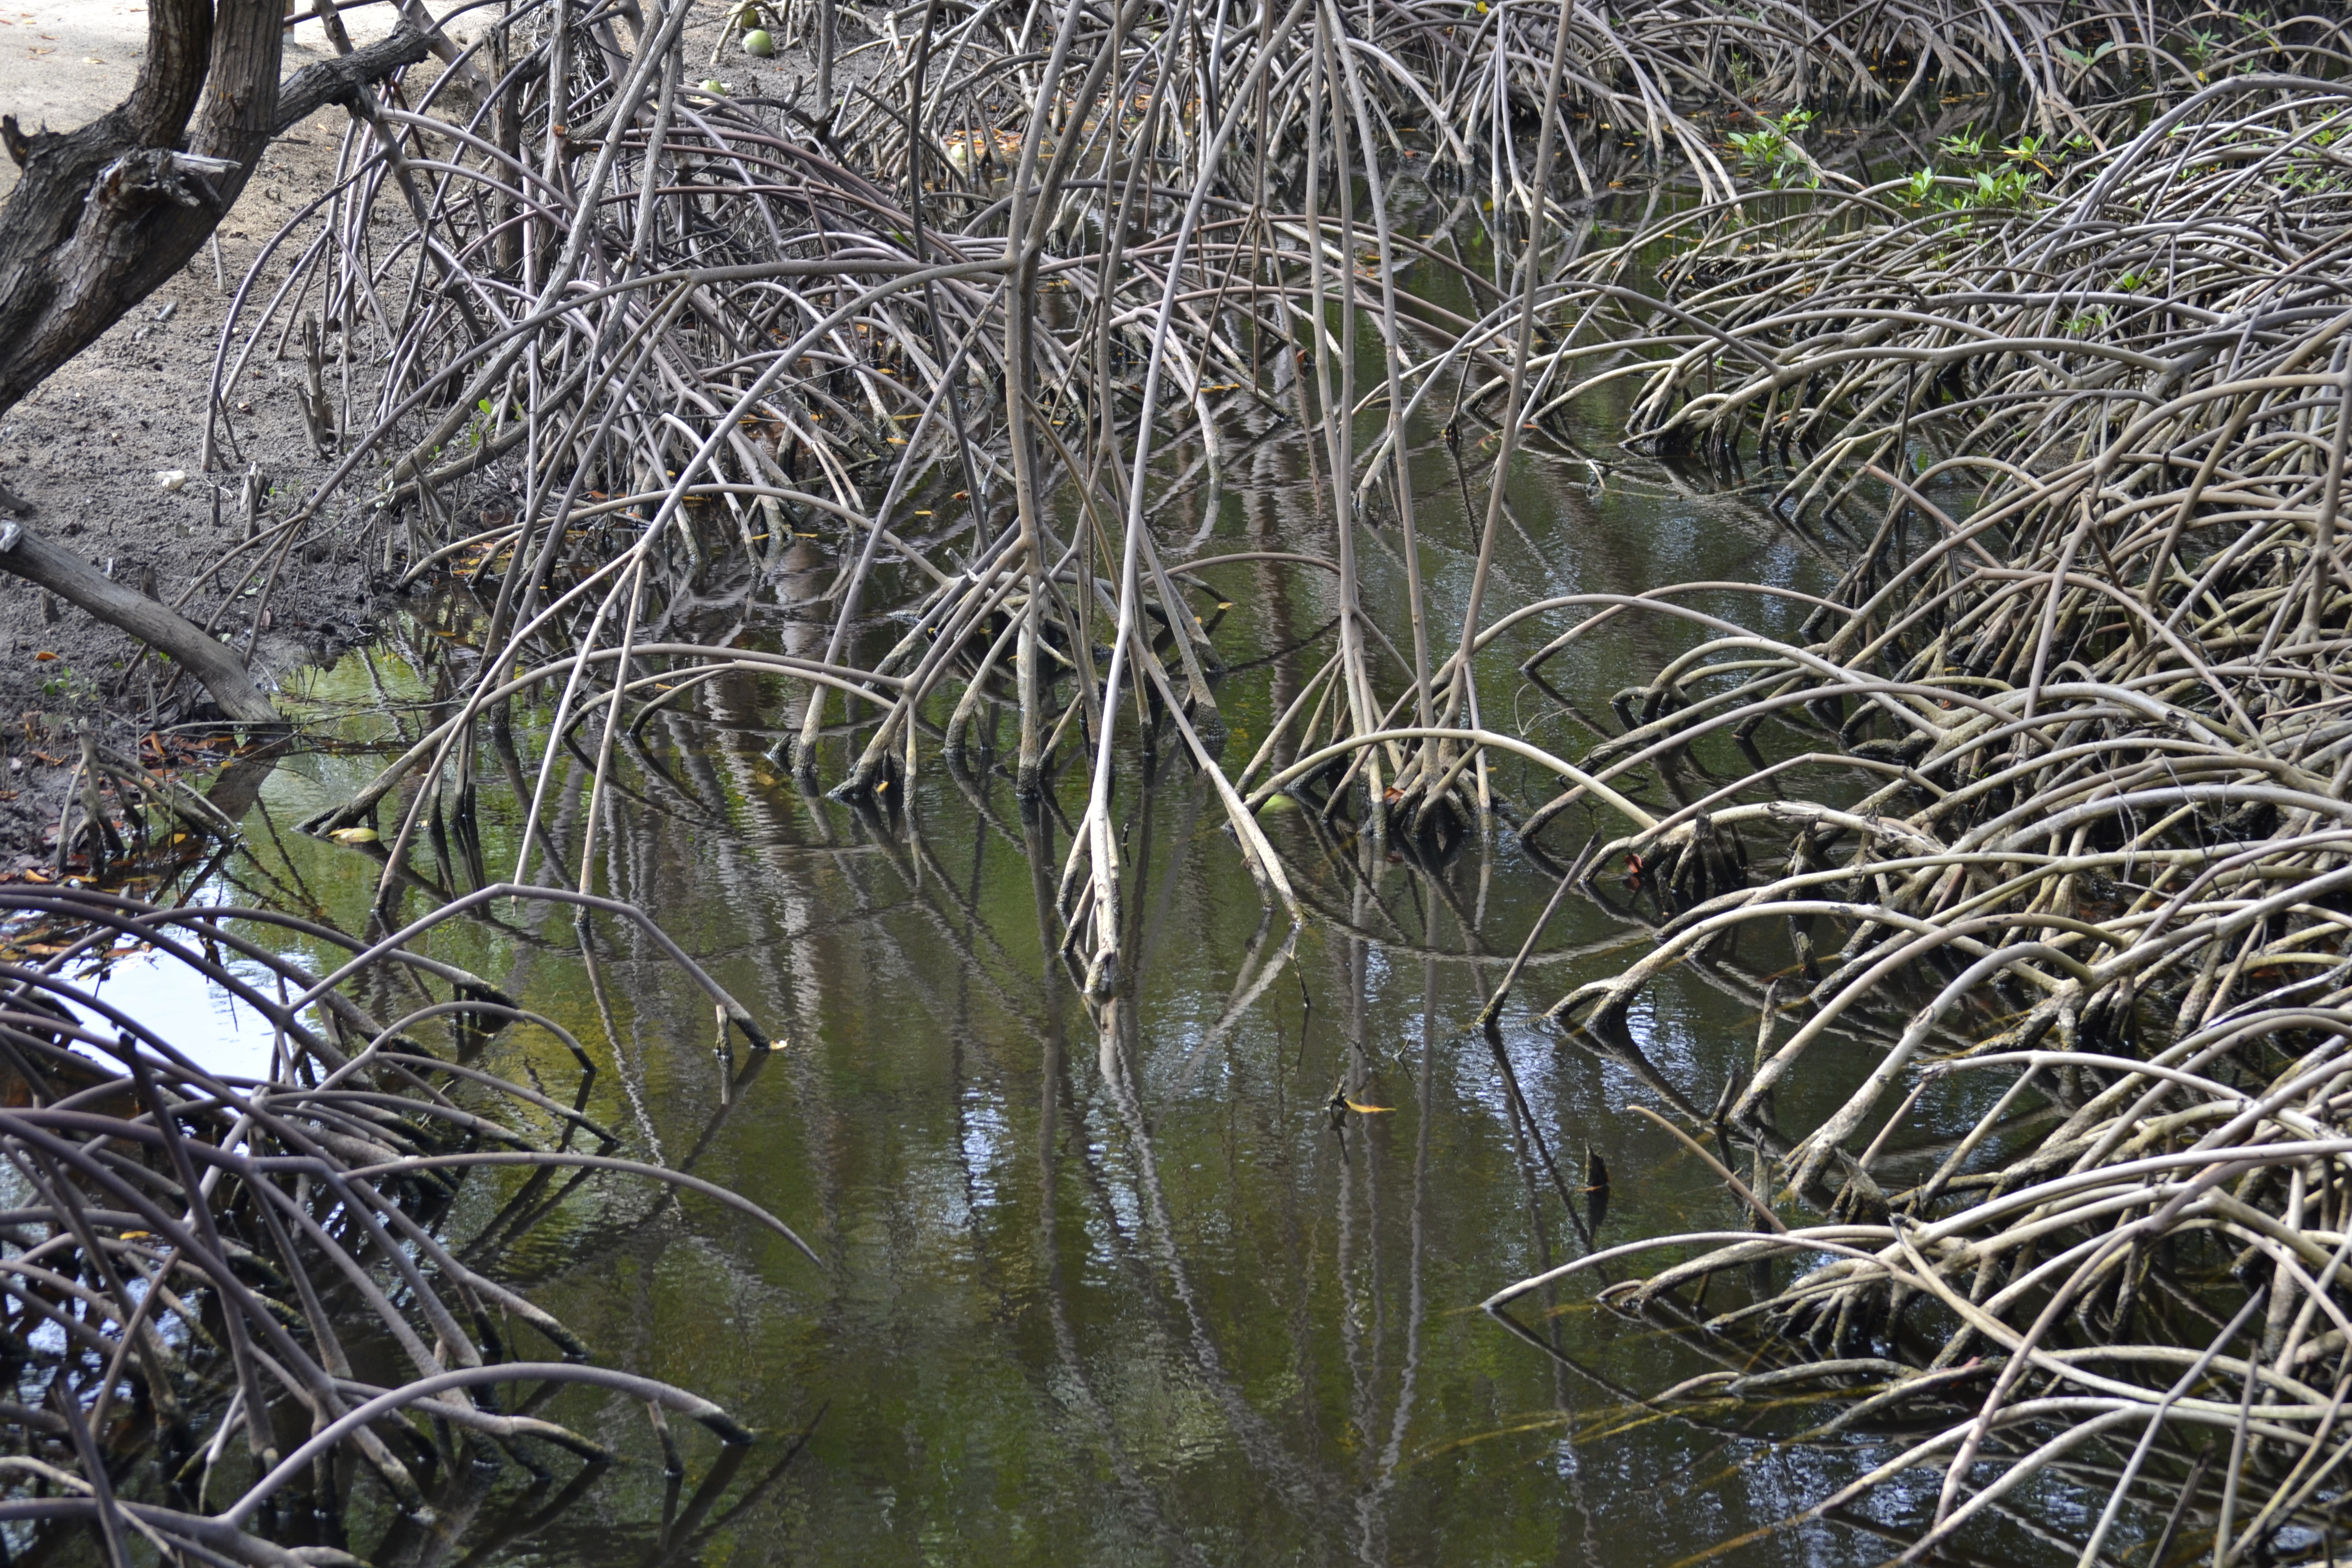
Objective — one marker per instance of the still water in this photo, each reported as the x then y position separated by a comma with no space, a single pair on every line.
1203,1291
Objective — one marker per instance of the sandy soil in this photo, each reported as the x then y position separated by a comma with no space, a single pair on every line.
63,63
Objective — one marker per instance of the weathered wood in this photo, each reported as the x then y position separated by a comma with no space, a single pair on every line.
28,555
106,213
342,80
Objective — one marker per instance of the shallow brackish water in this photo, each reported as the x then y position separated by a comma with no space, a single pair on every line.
1145,1300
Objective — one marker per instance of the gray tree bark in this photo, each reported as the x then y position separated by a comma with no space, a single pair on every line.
106,213
70,577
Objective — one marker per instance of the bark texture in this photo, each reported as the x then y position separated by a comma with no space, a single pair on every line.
106,213
71,578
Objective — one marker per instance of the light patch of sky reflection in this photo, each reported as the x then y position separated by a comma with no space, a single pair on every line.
1530,1054
211,1027
986,1134
1665,1037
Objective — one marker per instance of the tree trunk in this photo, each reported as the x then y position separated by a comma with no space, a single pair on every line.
106,213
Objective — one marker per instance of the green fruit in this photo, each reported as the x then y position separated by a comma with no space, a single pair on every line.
757,42
715,88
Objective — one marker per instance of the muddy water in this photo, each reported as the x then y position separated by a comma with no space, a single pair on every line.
1203,1291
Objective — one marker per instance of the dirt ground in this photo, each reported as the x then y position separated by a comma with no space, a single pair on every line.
90,449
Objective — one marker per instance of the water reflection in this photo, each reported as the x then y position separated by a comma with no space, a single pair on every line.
1190,1279
215,1030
